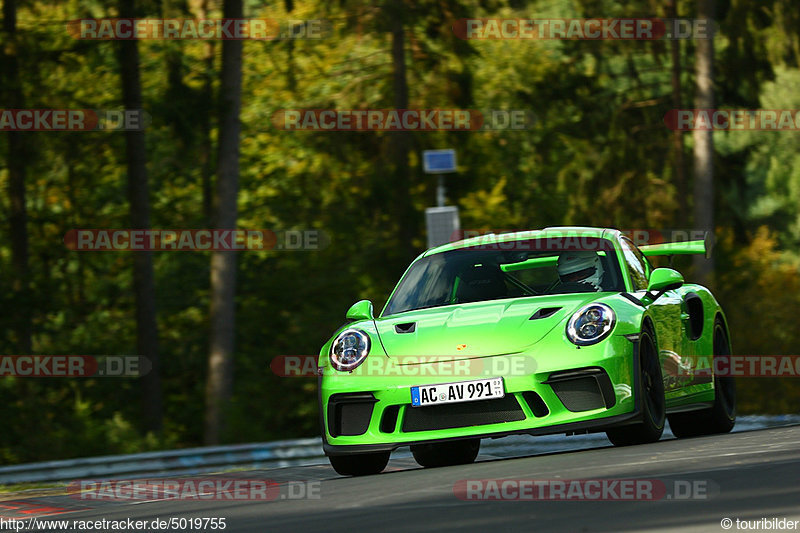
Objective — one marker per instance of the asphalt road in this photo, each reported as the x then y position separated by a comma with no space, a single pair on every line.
748,475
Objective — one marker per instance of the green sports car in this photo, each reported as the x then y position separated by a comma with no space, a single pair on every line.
562,330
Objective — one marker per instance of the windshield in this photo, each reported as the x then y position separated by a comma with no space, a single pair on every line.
508,270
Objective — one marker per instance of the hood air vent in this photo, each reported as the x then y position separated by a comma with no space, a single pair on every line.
544,312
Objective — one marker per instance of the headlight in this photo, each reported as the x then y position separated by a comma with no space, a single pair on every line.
590,324
349,349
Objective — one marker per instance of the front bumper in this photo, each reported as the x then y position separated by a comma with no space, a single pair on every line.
570,390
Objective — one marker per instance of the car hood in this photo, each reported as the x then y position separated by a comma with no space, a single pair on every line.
477,329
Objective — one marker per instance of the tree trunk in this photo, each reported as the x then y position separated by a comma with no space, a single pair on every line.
400,140
206,145
200,10
704,142
679,165
138,196
223,264
18,154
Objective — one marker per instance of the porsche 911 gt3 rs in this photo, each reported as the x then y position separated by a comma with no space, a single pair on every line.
561,330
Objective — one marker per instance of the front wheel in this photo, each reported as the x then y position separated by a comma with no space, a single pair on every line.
654,405
721,417
457,452
362,464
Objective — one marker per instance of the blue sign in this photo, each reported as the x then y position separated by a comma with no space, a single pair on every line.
439,161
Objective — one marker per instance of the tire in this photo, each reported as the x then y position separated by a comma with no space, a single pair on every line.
362,464
458,452
654,405
721,417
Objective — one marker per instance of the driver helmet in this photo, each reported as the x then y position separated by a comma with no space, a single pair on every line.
580,267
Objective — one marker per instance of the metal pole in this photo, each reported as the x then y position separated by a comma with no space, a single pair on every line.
440,191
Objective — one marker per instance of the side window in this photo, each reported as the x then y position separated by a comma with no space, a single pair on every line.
637,265
645,261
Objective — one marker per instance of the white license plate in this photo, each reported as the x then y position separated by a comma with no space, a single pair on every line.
462,391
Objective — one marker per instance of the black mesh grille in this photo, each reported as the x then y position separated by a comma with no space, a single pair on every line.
349,414
582,394
458,415
354,418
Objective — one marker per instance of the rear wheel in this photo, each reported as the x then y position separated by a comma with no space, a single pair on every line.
652,399
721,417
362,464
457,452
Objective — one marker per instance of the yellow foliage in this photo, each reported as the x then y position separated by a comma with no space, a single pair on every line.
760,291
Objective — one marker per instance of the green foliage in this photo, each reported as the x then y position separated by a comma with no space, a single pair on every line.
772,171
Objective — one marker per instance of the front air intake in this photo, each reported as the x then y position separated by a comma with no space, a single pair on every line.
583,389
349,414
536,404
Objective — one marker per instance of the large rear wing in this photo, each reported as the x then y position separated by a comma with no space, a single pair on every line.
679,248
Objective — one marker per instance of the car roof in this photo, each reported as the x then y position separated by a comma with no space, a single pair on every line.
552,231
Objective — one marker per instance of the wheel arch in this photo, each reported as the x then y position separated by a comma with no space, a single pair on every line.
720,316
649,325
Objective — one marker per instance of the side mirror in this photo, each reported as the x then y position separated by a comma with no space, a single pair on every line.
362,310
664,279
